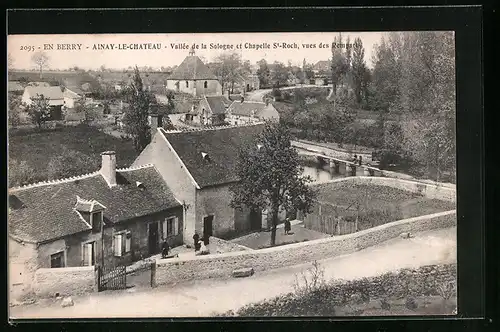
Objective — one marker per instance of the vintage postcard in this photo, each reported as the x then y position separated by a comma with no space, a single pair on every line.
232,175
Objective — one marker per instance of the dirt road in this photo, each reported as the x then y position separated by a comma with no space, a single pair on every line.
203,298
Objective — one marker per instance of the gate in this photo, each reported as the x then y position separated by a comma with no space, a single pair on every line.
112,278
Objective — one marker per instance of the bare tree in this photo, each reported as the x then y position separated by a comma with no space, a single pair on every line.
41,60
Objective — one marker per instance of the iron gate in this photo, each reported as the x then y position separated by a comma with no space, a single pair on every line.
112,278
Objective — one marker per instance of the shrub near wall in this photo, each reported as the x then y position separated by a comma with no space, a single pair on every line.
175,270
65,281
401,284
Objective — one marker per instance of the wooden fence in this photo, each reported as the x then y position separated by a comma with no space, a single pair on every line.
330,224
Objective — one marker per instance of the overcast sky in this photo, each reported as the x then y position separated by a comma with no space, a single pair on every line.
89,58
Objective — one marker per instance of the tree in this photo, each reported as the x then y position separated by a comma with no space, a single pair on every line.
230,69
339,64
39,110
136,116
263,73
89,113
14,104
271,176
279,76
41,60
358,68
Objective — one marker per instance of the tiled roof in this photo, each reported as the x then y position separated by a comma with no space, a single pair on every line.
259,109
51,92
47,210
218,104
322,65
192,68
222,146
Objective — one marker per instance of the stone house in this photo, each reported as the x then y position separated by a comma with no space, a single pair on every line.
110,217
71,98
209,111
246,112
53,93
194,77
199,167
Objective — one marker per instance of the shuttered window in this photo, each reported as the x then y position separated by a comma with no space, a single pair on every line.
118,245
122,243
88,254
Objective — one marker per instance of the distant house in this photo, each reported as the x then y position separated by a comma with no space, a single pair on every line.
209,111
70,98
248,112
322,66
194,77
111,217
39,84
199,166
53,93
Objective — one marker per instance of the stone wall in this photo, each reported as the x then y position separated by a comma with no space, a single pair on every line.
65,281
22,264
220,266
446,192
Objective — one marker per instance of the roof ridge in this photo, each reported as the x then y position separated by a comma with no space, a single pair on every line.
209,128
133,168
56,181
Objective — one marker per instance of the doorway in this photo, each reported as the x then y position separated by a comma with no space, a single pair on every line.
153,238
207,228
255,220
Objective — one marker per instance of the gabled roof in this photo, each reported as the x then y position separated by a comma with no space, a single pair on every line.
218,104
222,145
322,65
48,210
251,108
51,92
192,68
70,93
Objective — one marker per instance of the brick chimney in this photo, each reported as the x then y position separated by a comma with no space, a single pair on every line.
108,167
156,122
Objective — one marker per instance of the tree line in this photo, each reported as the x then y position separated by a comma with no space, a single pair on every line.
410,91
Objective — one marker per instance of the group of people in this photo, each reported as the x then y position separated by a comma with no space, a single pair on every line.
357,160
200,247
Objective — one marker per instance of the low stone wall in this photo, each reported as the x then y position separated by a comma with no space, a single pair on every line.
446,192
220,246
176,270
65,281
401,284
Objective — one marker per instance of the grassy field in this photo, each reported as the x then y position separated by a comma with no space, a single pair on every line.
79,146
375,197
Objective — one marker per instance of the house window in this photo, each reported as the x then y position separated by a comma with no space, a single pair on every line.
96,221
57,260
187,84
122,243
88,254
169,227
205,85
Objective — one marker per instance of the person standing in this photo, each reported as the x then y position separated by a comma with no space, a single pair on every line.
196,239
165,248
288,226
360,160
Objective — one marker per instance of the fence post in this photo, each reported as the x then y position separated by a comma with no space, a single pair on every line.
153,274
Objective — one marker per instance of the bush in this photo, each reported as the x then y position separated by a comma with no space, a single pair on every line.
411,304
311,281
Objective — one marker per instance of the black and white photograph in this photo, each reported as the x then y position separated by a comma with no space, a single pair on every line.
256,174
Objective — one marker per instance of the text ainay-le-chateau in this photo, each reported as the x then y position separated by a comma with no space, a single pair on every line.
132,46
